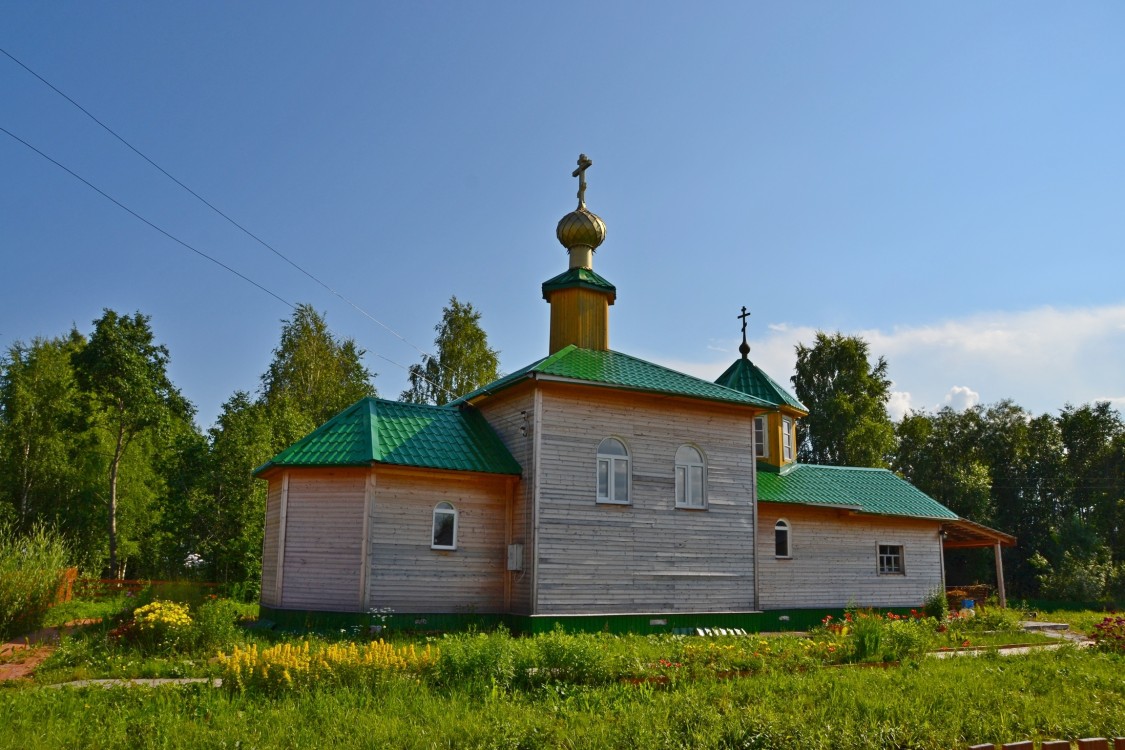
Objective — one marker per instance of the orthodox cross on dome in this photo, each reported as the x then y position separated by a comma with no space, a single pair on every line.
584,163
744,349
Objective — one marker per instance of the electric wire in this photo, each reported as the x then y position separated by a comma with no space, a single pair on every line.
136,215
207,203
195,250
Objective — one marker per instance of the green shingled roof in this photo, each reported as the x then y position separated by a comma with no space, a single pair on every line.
620,370
869,490
747,377
578,277
373,430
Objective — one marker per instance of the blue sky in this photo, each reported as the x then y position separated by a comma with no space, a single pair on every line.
945,180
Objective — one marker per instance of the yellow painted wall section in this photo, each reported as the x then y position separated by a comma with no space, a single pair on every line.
580,317
774,436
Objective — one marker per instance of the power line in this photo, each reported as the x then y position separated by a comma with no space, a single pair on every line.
136,215
207,203
177,240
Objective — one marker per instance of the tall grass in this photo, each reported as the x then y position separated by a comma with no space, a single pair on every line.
930,704
31,566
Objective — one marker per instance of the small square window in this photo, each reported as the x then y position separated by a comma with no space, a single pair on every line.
890,560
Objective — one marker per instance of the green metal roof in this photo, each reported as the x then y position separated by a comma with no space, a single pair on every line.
578,277
747,377
374,430
869,490
620,370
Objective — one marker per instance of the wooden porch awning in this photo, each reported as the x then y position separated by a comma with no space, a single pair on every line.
964,534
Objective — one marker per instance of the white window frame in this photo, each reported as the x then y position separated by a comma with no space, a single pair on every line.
787,448
445,509
783,524
762,437
611,462
684,481
885,557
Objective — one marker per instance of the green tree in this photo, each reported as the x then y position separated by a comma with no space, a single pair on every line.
124,374
848,424
39,407
1094,492
940,454
313,375
463,362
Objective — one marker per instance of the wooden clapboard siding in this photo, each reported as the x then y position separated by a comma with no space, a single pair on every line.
405,575
270,539
324,539
648,556
512,416
834,559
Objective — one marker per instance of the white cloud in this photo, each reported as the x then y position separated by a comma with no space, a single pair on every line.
1042,358
899,404
961,397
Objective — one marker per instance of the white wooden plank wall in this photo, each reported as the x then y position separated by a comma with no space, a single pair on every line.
324,540
649,556
834,559
269,543
512,415
405,575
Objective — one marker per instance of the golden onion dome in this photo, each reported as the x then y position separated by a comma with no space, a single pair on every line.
581,227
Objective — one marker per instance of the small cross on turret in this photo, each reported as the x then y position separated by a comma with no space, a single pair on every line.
584,163
744,349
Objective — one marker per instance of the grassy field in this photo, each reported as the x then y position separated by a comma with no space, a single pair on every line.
926,704
862,682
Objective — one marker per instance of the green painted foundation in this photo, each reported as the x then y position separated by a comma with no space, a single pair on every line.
671,623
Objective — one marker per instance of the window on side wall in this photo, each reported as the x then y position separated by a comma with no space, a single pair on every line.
891,560
781,539
445,527
761,446
787,438
613,472
691,488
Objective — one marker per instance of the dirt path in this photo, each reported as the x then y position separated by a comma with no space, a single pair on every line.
20,657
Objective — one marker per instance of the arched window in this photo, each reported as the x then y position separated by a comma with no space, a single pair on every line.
613,472
781,539
445,527
690,487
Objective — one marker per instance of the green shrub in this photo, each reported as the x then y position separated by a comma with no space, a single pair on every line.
867,636
479,659
573,658
163,626
936,604
31,565
907,638
216,626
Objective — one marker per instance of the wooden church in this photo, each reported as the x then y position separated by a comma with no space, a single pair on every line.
594,488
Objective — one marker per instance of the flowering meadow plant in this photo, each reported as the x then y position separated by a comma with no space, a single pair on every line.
288,667
1109,634
162,625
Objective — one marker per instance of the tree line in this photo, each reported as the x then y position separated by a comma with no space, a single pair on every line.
1055,481
98,444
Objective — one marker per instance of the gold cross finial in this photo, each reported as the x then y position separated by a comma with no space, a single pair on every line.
584,163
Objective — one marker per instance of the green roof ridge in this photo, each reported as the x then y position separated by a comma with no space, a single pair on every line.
374,430
617,370
871,490
572,277
743,375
